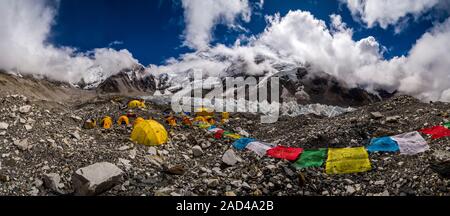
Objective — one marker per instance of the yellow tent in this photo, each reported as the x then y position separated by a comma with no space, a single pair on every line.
200,119
149,133
106,122
204,112
123,120
136,104
138,121
225,115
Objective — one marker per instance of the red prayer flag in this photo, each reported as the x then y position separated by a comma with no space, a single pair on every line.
436,132
287,153
219,134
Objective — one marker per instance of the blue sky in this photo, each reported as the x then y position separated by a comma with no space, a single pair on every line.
70,42
152,30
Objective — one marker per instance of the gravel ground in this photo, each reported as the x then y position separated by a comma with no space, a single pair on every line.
56,143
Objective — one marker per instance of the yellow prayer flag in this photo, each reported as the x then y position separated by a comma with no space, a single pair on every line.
347,160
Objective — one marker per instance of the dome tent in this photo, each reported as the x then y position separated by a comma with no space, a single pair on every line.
149,133
137,121
106,122
136,104
123,120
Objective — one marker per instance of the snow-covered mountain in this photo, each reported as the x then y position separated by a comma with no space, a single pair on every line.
298,83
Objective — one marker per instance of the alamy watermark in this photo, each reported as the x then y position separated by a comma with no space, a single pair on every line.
249,94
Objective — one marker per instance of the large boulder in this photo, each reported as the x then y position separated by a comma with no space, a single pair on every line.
96,179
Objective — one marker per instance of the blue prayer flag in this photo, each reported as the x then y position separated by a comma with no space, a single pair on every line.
383,144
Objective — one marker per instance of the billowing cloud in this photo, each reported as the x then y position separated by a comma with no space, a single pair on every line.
201,16
25,26
424,73
388,12
301,39
294,40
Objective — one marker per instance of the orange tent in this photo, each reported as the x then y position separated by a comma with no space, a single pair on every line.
106,122
123,120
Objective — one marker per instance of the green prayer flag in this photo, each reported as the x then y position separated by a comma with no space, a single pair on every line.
311,158
447,125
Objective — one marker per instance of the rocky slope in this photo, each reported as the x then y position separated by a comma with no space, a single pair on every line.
42,145
128,82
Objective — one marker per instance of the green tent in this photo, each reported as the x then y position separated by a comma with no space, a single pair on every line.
311,158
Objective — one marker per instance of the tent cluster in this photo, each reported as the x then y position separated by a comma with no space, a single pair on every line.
204,118
145,132
107,122
336,160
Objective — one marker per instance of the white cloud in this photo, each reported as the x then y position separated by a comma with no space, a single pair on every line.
25,26
201,16
388,12
424,73
299,38
296,39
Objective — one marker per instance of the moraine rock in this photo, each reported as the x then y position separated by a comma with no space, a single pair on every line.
25,109
376,115
76,118
28,127
34,191
176,170
22,145
155,160
152,151
350,189
132,154
392,119
4,126
125,162
22,121
53,182
381,182
75,135
197,151
212,183
230,193
96,179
